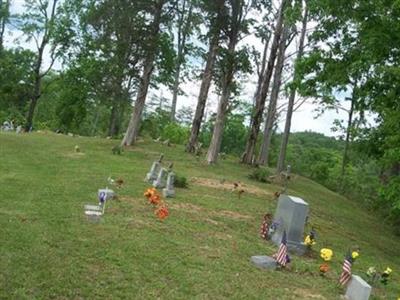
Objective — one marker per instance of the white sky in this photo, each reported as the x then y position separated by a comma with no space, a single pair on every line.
303,119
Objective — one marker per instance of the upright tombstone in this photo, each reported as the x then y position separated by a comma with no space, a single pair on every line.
358,289
291,215
169,190
155,169
161,179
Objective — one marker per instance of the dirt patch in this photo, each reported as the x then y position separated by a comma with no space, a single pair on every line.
232,215
188,207
305,294
229,186
74,155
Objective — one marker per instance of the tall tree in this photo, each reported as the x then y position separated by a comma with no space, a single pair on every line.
4,15
292,95
260,101
236,25
215,11
187,21
152,47
276,86
38,24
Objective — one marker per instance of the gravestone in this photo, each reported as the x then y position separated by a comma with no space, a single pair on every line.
161,179
291,215
155,169
358,289
169,190
264,262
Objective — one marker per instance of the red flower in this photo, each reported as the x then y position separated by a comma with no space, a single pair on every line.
162,212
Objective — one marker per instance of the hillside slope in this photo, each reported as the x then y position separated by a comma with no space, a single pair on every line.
49,250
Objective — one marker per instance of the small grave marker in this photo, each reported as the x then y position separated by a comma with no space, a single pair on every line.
358,289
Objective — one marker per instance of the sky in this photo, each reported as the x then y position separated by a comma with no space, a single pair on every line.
305,118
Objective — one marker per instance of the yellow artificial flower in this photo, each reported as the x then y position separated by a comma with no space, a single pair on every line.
308,241
388,270
326,254
354,254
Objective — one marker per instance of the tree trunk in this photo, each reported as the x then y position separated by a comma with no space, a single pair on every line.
175,92
37,87
113,128
202,99
215,145
260,101
292,97
216,140
132,131
271,115
347,141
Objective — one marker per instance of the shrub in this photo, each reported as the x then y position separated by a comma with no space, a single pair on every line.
260,174
181,182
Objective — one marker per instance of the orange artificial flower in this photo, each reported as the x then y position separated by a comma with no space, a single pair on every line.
150,192
323,268
162,212
155,199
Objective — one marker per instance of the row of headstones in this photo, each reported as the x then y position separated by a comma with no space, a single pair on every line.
292,213
161,177
9,126
94,212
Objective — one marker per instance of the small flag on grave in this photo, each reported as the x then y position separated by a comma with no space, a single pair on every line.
281,256
346,271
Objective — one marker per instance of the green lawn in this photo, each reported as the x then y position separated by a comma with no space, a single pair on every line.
48,250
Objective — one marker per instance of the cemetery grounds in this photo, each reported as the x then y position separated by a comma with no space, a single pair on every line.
202,250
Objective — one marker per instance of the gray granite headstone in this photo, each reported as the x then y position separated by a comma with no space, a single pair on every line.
358,289
169,190
264,262
161,179
291,214
152,175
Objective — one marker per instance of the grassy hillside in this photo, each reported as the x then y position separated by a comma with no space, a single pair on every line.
49,250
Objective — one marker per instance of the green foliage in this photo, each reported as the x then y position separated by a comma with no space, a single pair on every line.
260,174
181,182
175,133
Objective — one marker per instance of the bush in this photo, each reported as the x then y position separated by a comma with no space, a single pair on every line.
181,182
260,174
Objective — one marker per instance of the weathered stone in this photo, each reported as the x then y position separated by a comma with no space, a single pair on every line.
169,190
291,215
358,289
264,262
161,179
152,175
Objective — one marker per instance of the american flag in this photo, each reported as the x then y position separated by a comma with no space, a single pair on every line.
346,272
281,256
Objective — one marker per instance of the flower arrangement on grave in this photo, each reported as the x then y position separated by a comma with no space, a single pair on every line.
326,255
162,212
265,226
309,240
152,196
385,275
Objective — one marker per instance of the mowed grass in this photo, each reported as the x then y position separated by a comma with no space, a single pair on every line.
49,250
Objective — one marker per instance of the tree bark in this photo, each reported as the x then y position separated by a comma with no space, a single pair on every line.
347,141
271,115
260,101
4,14
132,131
204,88
292,97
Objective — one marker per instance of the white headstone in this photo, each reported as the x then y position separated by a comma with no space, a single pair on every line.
152,175
358,289
169,190
161,179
